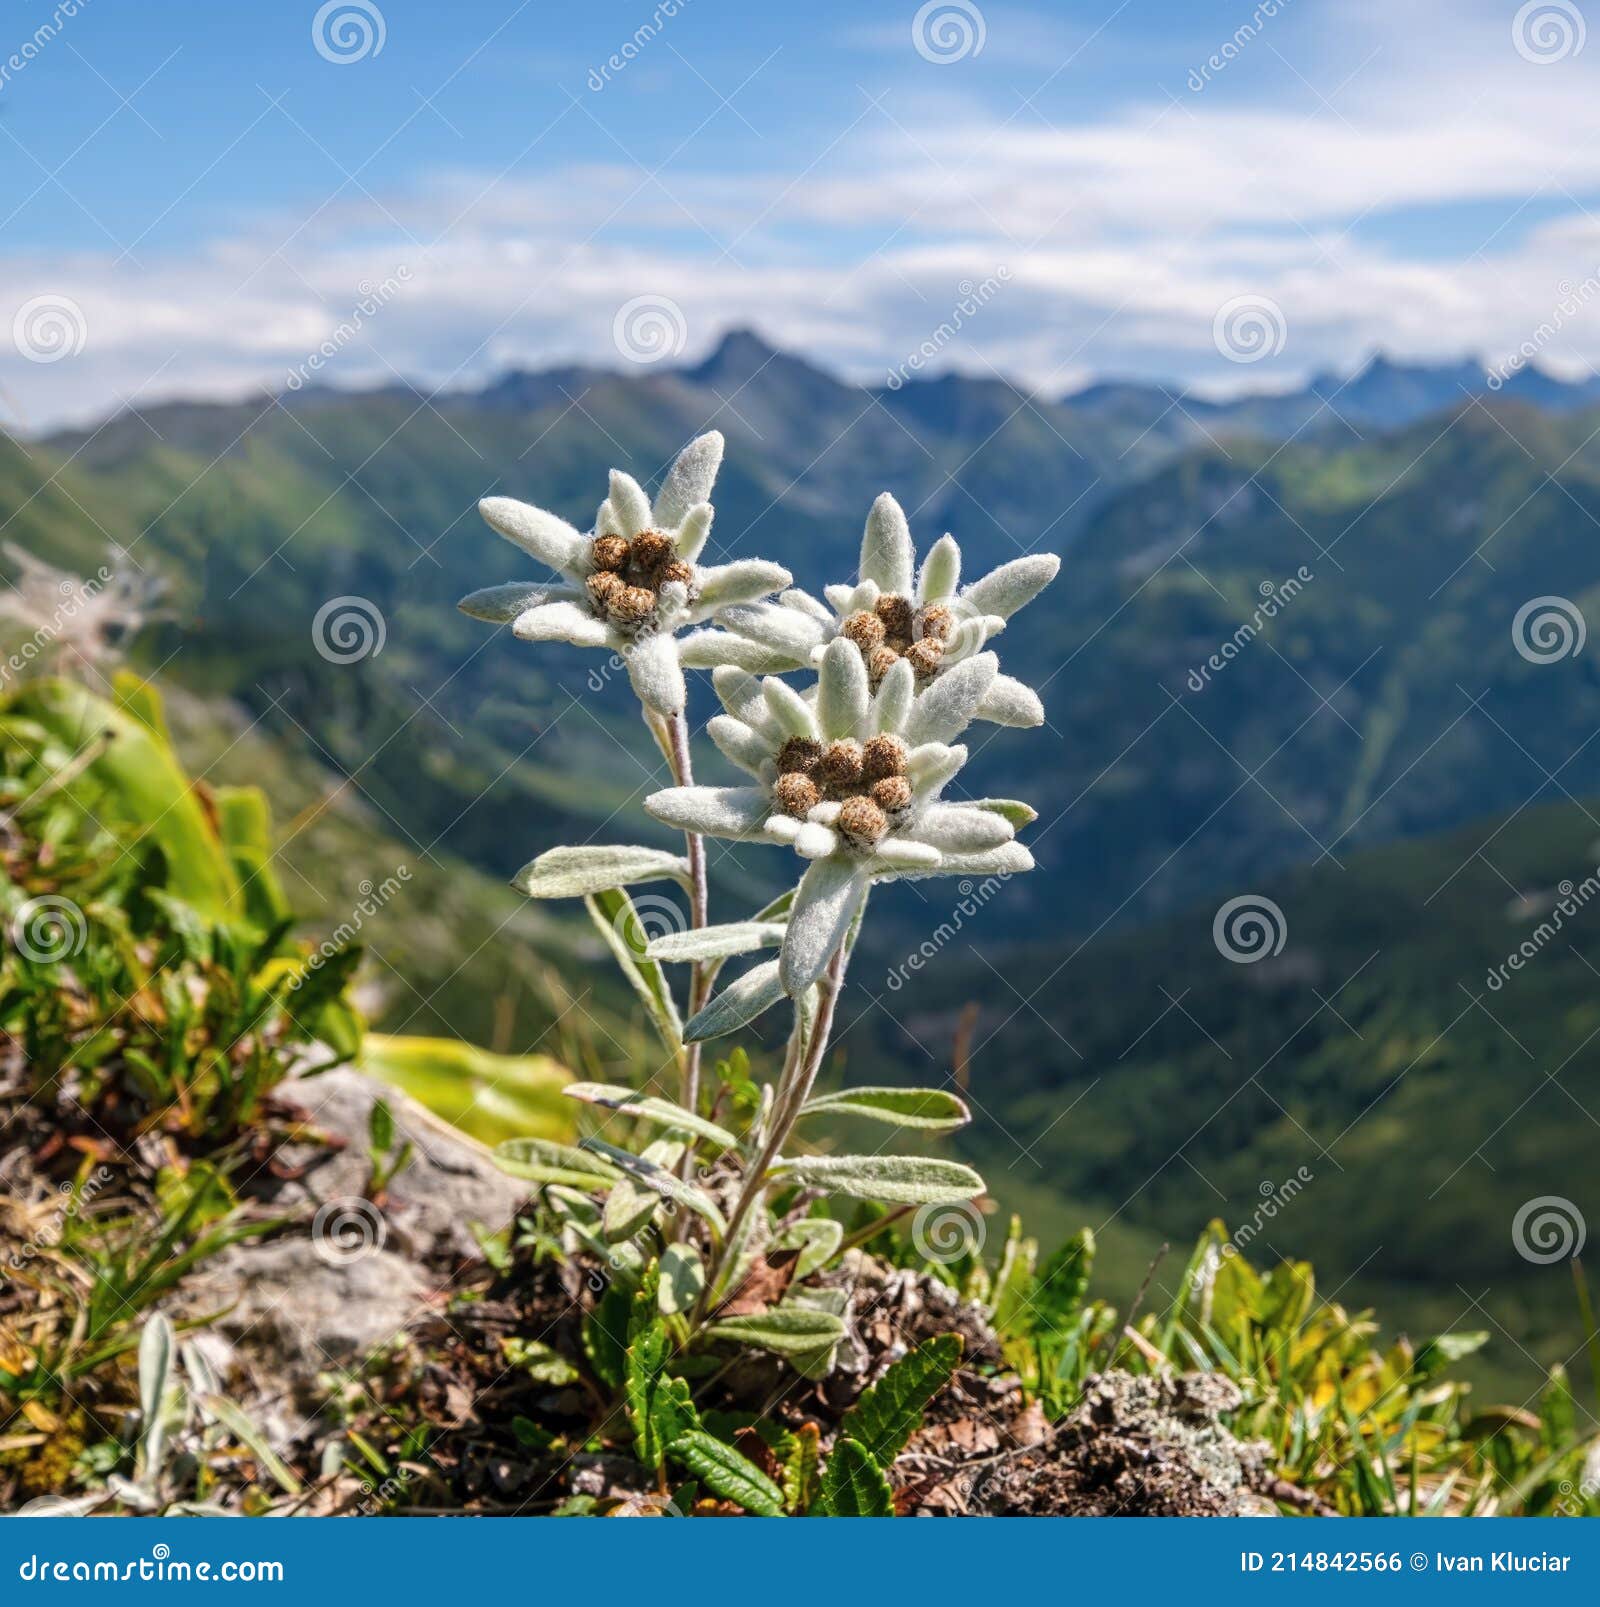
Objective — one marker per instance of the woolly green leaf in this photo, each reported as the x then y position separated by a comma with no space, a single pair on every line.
745,998
240,1426
615,1096
930,1108
683,1276
724,1472
896,1179
890,1412
1019,814
785,1331
577,872
716,942
665,1183
854,1486
630,1205
619,925
817,1239
545,1161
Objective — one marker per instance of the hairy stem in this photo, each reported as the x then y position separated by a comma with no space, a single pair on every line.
699,904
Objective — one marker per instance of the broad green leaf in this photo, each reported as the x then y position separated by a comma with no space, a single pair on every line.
240,1426
491,1097
618,923
683,1276
930,1108
888,1413
785,1331
629,1205
578,872
724,1472
544,1364
615,1096
738,1004
817,1238
1444,1349
854,1486
545,1162
802,1462
658,1406
156,1346
896,1179
1010,1303
604,1335
665,1183
715,942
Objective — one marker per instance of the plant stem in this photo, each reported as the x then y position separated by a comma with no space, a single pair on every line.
677,750
792,1091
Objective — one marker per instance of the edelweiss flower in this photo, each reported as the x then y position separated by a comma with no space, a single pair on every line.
931,625
852,781
633,582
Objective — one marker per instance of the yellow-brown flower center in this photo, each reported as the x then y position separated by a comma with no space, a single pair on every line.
897,629
867,778
625,587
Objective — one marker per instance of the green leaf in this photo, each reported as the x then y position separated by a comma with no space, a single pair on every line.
726,1473
156,1346
1444,1349
786,1331
683,1277
659,1406
578,872
1010,1303
602,1335
615,1096
1012,809
854,1486
619,925
745,998
237,1424
1061,1287
802,1462
542,1363
930,1108
896,1179
546,1162
716,942
380,1127
890,1412
665,1183
817,1238
629,1205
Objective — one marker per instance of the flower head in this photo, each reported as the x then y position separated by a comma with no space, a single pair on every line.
852,779
930,622
631,583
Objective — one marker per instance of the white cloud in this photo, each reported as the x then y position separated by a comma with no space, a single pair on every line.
1121,236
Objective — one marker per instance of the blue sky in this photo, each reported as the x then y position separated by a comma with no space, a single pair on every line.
202,199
